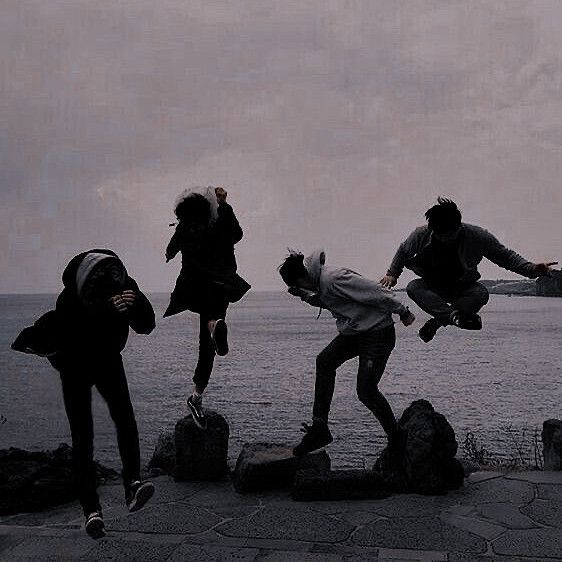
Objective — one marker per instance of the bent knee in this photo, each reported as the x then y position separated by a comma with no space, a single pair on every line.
414,286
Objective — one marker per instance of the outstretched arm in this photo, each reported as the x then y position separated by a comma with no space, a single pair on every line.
405,251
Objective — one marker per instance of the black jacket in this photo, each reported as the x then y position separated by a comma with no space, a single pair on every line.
208,262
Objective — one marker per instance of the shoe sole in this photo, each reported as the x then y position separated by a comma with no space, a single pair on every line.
308,451
200,423
219,337
96,529
144,493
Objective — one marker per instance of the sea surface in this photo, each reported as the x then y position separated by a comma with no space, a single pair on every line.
500,383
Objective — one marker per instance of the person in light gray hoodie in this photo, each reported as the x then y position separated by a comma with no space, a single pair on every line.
363,312
445,255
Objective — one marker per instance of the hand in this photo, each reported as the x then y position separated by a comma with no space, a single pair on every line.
129,297
544,269
119,303
220,194
407,318
388,281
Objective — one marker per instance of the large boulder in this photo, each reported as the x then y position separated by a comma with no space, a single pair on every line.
263,466
164,456
552,444
312,485
37,480
201,454
422,459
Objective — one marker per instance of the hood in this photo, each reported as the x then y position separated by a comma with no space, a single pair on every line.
314,264
80,266
207,192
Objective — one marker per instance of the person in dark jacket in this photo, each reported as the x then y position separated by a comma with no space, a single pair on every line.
445,254
205,235
90,324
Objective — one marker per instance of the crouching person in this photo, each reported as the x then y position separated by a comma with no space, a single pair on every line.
91,323
363,312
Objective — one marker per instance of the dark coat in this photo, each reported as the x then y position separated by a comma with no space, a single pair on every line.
85,333
208,269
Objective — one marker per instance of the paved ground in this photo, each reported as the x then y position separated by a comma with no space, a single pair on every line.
495,517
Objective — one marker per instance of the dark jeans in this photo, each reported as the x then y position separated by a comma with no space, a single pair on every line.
374,349
109,378
206,358
440,302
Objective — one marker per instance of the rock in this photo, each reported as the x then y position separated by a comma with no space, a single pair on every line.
552,444
201,454
423,458
164,456
37,480
310,485
263,466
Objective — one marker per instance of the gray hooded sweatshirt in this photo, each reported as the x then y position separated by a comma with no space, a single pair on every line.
358,304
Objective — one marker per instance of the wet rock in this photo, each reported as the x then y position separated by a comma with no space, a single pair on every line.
263,466
552,444
310,485
164,456
37,480
201,454
422,460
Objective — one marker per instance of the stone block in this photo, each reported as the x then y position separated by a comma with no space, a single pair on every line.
164,456
201,454
263,466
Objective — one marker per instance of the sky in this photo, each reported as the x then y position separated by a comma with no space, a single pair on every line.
332,124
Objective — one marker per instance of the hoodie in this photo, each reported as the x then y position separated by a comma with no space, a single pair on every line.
357,303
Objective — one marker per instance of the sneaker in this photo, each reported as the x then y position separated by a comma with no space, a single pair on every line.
466,321
316,436
94,525
219,337
196,409
137,494
429,329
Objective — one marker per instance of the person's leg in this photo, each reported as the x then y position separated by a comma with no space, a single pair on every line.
430,301
471,299
206,357
78,405
375,348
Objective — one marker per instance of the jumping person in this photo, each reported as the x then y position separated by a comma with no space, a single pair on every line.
83,339
363,312
445,254
206,233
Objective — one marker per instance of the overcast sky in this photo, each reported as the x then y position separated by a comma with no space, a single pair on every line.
332,124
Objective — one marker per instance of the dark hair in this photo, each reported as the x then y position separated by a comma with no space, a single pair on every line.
194,208
293,269
443,217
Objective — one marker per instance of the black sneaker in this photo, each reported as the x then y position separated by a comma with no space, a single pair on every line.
219,337
466,321
196,409
94,525
316,436
429,329
137,494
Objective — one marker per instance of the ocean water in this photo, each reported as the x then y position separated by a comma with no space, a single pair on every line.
500,383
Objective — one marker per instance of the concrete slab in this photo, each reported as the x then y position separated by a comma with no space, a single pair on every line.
537,476
531,542
495,491
550,492
166,490
395,555
479,527
546,512
294,524
48,549
54,516
178,518
418,533
117,548
288,556
410,505
507,515
187,551
482,476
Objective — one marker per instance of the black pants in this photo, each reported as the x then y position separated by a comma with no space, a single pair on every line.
108,377
374,349
206,358
440,302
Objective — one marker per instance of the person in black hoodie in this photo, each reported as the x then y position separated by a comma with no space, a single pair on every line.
205,235
90,324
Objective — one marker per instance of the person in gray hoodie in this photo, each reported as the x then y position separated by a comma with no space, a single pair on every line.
445,255
363,312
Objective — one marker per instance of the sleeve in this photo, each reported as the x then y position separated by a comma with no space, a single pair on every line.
174,244
227,223
405,251
309,297
360,289
141,315
497,253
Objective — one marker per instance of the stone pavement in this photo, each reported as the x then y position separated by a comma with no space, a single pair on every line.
494,517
